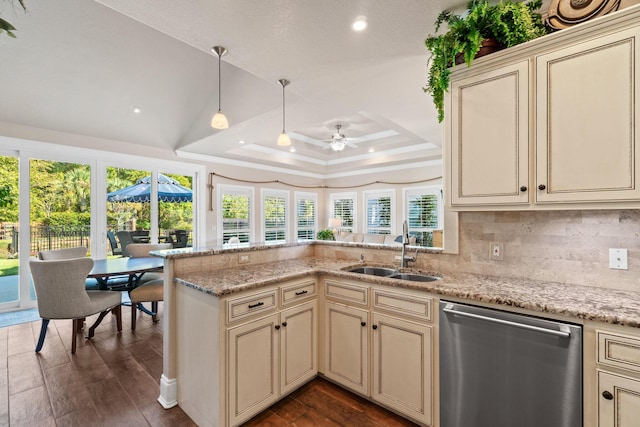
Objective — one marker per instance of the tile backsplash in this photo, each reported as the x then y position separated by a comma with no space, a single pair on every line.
560,246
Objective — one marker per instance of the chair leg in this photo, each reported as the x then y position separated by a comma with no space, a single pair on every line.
74,335
93,327
134,314
43,333
117,311
154,308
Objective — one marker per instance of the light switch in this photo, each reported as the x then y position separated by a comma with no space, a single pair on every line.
618,259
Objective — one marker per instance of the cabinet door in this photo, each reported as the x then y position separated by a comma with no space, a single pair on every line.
347,346
618,401
253,355
586,139
298,345
489,143
402,366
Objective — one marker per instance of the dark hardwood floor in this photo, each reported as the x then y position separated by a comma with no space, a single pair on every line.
322,403
113,380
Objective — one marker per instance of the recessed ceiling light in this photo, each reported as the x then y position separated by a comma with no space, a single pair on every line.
371,150
292,150
241,141
360,23
135,110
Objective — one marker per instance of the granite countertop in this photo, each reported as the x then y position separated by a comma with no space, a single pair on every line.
583,302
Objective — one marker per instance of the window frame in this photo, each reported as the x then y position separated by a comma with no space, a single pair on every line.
354,210
238,190
299,196
434,190
379,194
269,192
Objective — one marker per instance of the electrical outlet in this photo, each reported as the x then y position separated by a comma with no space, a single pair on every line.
243,259
496,251
618,259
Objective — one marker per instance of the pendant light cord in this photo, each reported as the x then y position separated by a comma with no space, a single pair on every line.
283,108
219,78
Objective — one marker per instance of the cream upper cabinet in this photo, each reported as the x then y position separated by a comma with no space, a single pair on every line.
489,162
550,124
402,366
587,108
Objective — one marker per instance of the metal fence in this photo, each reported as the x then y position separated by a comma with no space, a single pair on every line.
44,238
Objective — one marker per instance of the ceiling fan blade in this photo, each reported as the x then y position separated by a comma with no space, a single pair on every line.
376,135
351,144
307,139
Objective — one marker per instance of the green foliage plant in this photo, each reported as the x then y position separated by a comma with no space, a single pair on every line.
5,26
325,235
509,22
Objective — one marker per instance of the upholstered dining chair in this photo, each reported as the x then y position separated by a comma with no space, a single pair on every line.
67,253
60,288
151,287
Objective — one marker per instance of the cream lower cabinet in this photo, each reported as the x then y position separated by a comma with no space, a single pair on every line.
619,404
402,366
381,349
616,376
270,357
346,346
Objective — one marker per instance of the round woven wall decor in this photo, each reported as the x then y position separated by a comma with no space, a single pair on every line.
565,13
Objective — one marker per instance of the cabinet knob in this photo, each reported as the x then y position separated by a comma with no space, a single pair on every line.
277,327
607,395
523,188
363,324
284,324
541,187
374,327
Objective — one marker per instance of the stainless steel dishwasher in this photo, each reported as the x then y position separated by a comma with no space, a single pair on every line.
500,369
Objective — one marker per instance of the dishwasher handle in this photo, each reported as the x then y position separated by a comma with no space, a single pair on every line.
564,334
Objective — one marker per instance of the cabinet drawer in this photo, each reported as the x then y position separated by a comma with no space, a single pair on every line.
298,292
619,350
240,308
404,304
346,292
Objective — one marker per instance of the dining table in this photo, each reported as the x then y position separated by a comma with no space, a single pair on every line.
133,269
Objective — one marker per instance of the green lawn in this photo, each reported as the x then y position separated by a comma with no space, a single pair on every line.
9,267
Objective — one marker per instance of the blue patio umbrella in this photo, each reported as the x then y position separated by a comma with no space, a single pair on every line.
169,190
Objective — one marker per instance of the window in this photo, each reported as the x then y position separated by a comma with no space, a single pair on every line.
380,205
343,205
424,213
306,218
235,205
274,215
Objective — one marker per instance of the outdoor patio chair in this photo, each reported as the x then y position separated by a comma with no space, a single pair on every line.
60,288
115,250
125,240
182,238
151,287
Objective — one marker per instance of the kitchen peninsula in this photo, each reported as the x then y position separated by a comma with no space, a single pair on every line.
247,326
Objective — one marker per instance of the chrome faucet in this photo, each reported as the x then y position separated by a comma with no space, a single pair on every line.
405,242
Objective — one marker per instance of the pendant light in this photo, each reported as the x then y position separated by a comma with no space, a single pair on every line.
283,139
219,120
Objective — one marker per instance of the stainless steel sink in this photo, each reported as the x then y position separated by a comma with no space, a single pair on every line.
374,271
414,277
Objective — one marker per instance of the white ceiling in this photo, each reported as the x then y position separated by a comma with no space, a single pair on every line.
77,66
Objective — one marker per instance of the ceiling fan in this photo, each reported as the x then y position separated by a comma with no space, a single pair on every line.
338,141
